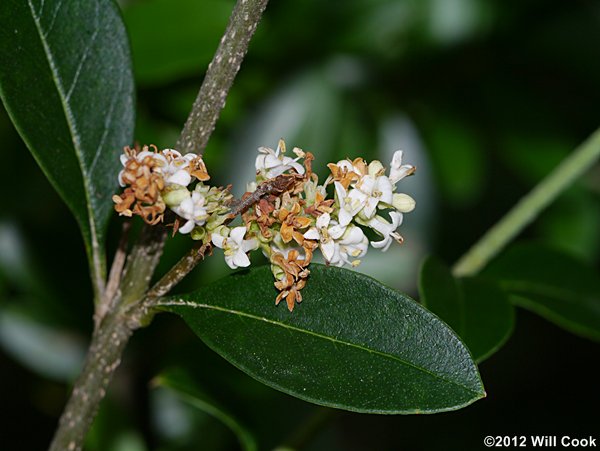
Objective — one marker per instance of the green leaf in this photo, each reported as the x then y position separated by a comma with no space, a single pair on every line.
352,344
66,82
478,311
556,286
183,386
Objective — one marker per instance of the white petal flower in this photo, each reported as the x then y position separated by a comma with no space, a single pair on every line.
272,163
375,189
398,170
353,246
194,210
350,203
386,230
235,247
174,167
328,232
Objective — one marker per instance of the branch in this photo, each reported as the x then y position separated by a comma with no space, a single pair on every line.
220,75
114,278
103,358
121,315
189,261
529,207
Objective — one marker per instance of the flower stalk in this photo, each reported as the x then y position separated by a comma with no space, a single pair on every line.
529,207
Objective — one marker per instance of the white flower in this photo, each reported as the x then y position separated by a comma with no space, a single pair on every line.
272,163
174,167
398,170
194,210
349,207
327,231
235,246
353,246
386,230
369,191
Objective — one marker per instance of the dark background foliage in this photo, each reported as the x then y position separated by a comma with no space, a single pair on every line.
484,96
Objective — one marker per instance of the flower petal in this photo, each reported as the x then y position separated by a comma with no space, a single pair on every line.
237,234
312,234
249,245
187,227
181,177
328,250
323,220
218,240
240,259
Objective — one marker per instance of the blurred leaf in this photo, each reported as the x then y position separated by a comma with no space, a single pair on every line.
66,82
554,285
49,351
14,259
181,383
477,310
572,223
171,39
352,344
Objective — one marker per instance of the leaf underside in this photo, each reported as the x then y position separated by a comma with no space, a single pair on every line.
66,82
352,344
556,286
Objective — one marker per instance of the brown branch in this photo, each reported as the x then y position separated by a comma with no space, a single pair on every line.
220,75
125,309
114,278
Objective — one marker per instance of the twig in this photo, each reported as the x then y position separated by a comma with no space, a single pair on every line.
189,261
529,207
114,277
277,185
181,269
220,75
113,332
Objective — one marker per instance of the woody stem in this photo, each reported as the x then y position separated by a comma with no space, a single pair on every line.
122,314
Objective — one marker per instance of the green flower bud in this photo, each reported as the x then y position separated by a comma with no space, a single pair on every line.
198,233
403,203
174,194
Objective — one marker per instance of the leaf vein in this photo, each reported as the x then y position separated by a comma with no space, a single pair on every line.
334,340
83,59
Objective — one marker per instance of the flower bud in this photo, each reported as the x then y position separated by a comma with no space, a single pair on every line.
173,195
403,203
376,168
198,233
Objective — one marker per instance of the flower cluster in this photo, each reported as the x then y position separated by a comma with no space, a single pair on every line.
289,217
290,226
156,180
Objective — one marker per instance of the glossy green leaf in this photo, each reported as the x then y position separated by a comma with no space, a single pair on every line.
183,386
557,286
66,81
478,311
352,343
